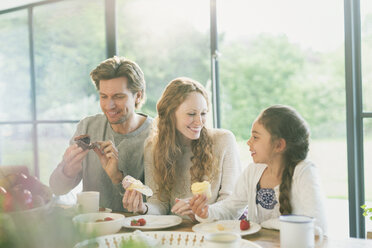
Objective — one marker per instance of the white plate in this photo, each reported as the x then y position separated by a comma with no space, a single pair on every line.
165,238
154,221
227,225
107,210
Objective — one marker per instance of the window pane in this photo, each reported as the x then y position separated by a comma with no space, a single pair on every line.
366,30
15,96
16,146
288,52
69,43
167,43
368,157
368,167
53,141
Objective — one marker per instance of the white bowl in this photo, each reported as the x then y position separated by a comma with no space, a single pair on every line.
222,240
87,223
32,215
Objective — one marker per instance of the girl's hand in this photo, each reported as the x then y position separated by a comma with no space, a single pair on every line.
133,202
199,205
182,207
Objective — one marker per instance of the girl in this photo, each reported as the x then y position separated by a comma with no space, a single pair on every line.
182,151
279,182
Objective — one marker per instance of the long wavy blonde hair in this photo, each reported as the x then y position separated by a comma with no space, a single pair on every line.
166,144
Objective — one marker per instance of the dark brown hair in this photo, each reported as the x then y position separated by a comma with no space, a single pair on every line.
286,123
116,67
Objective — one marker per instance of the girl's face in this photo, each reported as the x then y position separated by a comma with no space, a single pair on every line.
260,144
191,116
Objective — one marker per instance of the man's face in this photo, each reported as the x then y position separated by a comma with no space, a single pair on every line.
117,101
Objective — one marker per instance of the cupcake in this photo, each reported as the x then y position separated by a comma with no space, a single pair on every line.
200,188
130,183
84,142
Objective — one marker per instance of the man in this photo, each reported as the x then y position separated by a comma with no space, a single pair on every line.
120,133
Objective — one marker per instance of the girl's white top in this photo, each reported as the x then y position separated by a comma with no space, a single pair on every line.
307,198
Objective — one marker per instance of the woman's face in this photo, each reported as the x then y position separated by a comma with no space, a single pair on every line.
191,116
260,144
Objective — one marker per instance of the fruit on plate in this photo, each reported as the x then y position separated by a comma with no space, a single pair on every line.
8,181
22,197
142,221
20,192
244,224
6,200
220,227
105,219
33,184
134,223
139,222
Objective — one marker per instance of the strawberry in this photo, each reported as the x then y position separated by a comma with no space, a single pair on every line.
108,219
244,224
134,223
142,221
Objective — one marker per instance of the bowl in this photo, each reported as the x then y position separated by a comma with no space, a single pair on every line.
222,240
87,223
32,215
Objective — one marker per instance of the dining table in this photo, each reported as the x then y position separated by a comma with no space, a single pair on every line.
264,238
268,238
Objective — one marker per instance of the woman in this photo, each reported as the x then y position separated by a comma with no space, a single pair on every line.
182,151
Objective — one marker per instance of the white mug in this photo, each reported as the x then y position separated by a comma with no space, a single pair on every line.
222,240
88,201
297,231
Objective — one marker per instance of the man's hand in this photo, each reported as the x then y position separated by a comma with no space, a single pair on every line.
182,207
109,156
199,205
72,160
133,202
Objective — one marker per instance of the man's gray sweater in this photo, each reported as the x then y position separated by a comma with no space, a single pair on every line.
93,175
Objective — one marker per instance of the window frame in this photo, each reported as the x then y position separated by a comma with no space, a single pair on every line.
353,84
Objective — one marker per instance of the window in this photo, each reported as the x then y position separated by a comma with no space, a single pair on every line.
366,37
167,43
69,41
286,52
282,52
15,91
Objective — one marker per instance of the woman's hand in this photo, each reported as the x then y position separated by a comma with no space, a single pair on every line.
199,205
133,202
182,207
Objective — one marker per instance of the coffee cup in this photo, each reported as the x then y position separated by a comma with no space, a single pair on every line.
88,201
222,240
297,231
